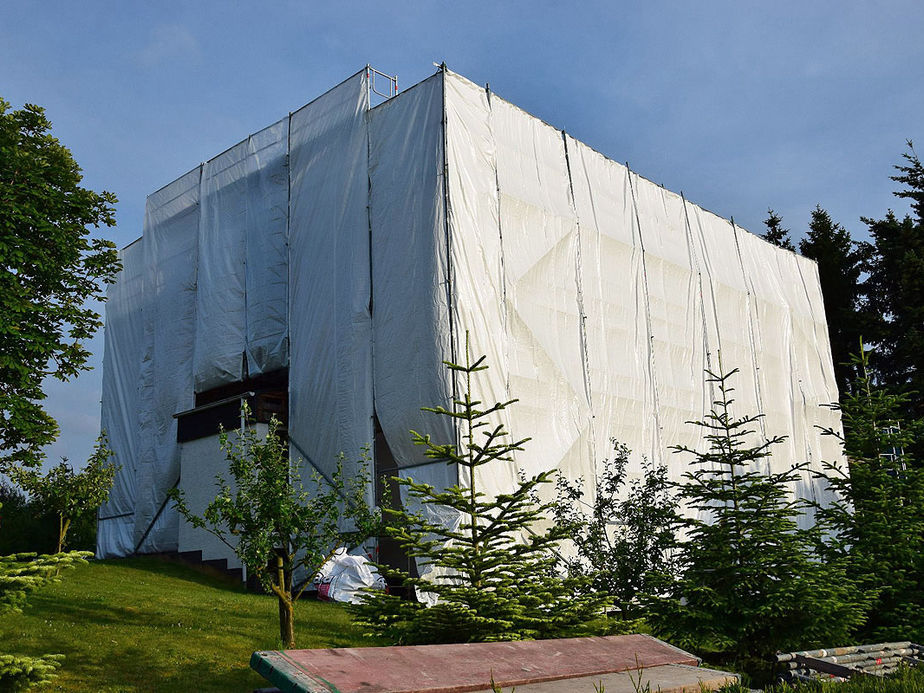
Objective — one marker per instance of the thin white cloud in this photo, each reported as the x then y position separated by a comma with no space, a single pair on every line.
168,42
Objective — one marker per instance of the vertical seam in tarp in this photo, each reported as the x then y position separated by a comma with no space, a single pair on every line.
447,208
500,236
748,305
652,375
707,356
288,251
368,126
579,285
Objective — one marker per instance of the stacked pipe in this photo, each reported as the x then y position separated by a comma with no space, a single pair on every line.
840,663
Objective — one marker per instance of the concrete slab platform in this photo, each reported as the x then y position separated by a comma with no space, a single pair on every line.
668,678
468,667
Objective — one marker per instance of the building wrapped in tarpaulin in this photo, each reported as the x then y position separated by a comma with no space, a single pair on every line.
326,266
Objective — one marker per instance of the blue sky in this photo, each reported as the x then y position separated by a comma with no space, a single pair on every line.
740,105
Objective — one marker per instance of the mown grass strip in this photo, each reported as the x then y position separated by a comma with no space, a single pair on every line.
143,624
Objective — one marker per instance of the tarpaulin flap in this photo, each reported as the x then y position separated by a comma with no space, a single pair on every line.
242,271
330,382
166,375
120,402
410,277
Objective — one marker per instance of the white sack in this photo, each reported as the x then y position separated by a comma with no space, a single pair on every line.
344,577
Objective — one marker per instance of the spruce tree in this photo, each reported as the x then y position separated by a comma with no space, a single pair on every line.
750,583
493,575
877,522
776,234
894,291
840,262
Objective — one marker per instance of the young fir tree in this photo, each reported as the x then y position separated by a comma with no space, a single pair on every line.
494,576
623,536
750,583
878,519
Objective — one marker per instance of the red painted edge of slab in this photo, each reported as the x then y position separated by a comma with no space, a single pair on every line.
470,666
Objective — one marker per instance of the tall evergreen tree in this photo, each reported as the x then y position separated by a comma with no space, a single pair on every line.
894,289
775,233
840,262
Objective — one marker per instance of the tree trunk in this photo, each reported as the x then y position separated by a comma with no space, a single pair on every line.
63,526
286,607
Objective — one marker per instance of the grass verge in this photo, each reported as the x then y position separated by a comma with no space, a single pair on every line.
142,624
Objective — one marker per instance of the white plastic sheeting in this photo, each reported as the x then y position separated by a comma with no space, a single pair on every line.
242,270
330,374
171,225
410,271
360,246
601,298
121,365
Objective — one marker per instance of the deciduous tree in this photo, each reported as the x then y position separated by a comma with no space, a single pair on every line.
273,523
51,269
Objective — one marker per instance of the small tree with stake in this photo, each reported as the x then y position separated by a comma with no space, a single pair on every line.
70,494
276,526
494,574
750,583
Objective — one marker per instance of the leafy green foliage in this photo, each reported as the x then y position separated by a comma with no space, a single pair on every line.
493,574
51,269
71,494
623,536
750,583
878,520
273,523
26,526
775,233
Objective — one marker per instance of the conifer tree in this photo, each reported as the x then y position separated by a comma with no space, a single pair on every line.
840,262
493,576
20,575
878,519
894,291
775,233
750,583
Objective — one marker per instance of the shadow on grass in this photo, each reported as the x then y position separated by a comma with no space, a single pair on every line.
174,569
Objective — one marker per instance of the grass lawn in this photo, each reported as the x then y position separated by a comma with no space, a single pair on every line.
143,624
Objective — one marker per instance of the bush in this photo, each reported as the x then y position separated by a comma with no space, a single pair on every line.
623,536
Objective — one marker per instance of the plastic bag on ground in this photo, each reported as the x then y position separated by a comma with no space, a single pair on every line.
344,576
